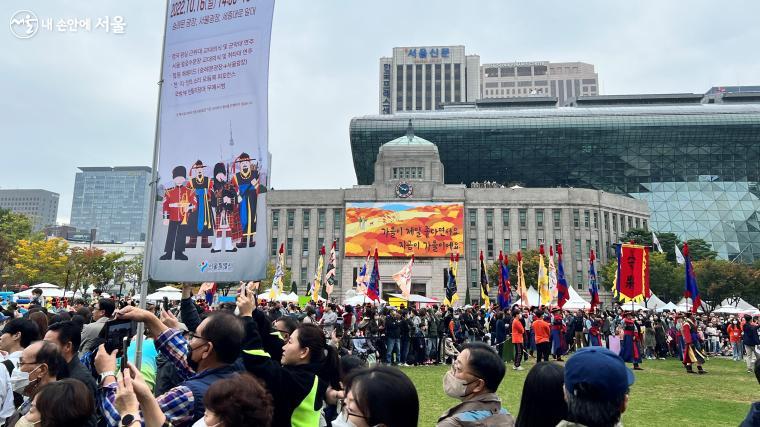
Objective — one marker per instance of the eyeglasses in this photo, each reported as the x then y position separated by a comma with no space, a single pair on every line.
192,335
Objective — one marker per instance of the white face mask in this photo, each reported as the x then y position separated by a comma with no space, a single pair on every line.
202,423
454,387
342,421
19,380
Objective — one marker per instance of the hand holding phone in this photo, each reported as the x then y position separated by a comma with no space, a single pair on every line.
124,348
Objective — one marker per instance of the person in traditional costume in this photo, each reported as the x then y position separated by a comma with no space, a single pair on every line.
179,202
559,341
630,348
248,187
692,353
201,220
226,215
594,333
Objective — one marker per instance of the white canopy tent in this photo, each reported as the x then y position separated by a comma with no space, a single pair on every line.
653,303
737,303
669,306
576,302
633,307
414,298
360,299
532,298
282,297
48,290
170,292
685,305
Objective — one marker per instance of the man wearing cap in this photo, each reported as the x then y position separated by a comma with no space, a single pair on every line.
247,184
201,220
179,201
596,388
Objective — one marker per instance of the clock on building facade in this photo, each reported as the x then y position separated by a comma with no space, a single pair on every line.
404,190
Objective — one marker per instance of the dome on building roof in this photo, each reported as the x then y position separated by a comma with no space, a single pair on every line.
410,139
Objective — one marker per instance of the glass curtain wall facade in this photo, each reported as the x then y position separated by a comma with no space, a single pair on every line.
697,166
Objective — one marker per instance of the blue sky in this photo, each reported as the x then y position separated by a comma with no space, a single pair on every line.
89,98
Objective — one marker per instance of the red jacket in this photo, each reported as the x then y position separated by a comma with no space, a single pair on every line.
542,330
517,331
734,333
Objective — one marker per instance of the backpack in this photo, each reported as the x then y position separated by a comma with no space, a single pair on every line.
18,398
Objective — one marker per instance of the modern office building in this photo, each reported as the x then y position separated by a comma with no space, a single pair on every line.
563,80
112,200
421,78
696,164
41,206
407,173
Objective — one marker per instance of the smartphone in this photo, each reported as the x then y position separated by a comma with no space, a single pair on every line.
115,332
166,303
124,347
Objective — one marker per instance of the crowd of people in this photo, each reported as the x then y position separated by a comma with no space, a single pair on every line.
274,364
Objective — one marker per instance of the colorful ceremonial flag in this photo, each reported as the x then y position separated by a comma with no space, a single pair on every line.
552,275
679,256
279,273
208,289
404,279
330,280
691,291
451,283
521,288
318,276
632,273
543,279
593,286
656,242
373,289
363,277
486,302
505,288
563,293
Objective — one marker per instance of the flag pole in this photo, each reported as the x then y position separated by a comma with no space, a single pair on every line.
145,277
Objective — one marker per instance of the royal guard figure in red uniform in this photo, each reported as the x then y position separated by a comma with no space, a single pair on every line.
248,187
558,330
691,351
226,214
594,337
201,220
630,349
179,201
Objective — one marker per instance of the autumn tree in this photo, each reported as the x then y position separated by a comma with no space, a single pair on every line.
13,227
36,261
90,266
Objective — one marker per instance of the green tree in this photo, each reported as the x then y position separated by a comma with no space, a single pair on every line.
294,287
266,284
467,300
36,261
700,250
90,266
13,227
666,279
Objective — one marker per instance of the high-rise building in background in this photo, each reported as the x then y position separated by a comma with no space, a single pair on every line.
423,78
41,206
112,200
563,80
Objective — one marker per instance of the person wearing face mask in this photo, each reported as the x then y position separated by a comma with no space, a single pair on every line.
734,332
474,378
367,399
299,382
203,358
40,364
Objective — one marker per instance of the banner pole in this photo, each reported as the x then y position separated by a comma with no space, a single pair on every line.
152,201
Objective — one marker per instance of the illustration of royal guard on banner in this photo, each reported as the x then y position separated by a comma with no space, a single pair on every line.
201,219
224,202
178,203
248,187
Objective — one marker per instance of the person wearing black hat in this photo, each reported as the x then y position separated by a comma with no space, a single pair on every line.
201,220
226,214
691,351
247,184
630,348
597,383
179,201
559,341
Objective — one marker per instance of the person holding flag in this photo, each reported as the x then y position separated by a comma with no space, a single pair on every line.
563,293
691,351
593,286
373,288
505,288
691,290
451,284
404,279
279,273
362,278
558,335
543,280
486,302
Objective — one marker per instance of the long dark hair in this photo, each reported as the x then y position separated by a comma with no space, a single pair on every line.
311,336
543,399
65,402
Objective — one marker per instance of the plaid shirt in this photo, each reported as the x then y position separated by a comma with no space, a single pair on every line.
178,403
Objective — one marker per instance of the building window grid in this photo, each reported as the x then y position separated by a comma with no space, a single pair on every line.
306,218
489,218
505,218
557,218
522,215
489,248
576,218
540,218
321,214
586,219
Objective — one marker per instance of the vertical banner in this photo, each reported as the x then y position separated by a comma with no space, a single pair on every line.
213,165
632,273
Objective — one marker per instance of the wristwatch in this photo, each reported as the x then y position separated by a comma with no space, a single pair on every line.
128,420
106,374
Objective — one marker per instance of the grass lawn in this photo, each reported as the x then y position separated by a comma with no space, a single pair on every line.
663,395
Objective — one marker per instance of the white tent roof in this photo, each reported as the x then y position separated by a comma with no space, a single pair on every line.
45,285
532,298
170,292
685,305
653,303
576,302
360,300
46,292
669,306
740,304
634,307
416,298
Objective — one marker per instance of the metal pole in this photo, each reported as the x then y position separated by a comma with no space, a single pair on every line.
152,200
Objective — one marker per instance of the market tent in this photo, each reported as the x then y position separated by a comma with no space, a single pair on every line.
685,305
532,298
737,303
360,300
291,297
48,290
170,292
653,303
576,302
669,306
633,307
416,298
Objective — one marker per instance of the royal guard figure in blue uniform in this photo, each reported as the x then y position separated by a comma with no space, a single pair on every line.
201,220
248,187
558,330
692,353
179,202
630,349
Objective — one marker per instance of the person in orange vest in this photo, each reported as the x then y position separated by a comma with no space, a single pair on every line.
517,339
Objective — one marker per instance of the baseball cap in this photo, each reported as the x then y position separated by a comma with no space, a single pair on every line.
599,369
